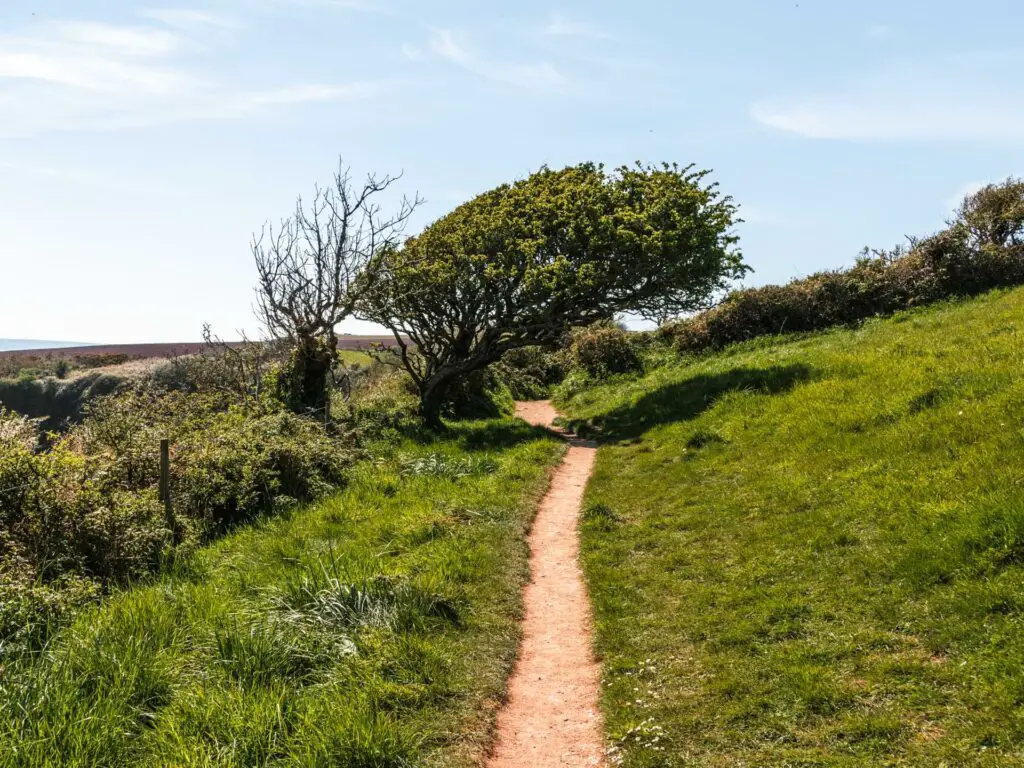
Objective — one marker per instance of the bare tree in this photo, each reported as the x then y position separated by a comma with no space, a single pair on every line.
312,269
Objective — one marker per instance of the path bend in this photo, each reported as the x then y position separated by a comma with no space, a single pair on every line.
551,718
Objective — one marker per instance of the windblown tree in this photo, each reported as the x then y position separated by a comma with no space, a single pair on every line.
522,264
994,215
311,268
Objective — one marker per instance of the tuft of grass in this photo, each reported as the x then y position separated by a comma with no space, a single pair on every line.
375,629
817,556
444,465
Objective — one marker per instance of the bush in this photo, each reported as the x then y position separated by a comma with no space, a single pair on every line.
86,511
480,394
994,215
529,373
943,266
602,350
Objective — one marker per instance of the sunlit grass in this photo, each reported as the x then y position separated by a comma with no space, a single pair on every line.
811,552
374,629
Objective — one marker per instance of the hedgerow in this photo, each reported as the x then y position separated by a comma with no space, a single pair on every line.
982,249
85,514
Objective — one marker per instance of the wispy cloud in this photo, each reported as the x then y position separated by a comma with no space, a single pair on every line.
558,25
880,32
188,18
534,76
971,98
85,75
364,6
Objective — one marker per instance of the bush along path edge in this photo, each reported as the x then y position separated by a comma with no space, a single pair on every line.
551,715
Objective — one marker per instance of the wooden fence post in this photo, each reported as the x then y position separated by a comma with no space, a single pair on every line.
165,488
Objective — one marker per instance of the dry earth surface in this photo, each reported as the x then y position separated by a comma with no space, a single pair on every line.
551,717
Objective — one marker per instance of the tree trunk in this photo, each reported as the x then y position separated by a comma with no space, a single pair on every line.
432,398
312,360
430,410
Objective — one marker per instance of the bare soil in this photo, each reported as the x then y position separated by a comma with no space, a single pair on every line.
551,717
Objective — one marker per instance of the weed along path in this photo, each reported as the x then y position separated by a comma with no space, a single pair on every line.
551,717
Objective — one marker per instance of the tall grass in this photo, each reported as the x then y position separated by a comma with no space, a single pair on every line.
375,629
811,551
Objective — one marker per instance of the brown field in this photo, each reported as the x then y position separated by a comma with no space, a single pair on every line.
141,351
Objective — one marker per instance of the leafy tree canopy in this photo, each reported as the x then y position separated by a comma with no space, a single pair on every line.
523,263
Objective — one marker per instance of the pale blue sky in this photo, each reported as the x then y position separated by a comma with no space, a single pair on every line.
142,143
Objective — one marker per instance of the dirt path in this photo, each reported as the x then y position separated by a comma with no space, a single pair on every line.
551,717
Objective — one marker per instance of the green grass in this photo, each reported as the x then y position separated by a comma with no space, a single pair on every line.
350,356
810,552
375,629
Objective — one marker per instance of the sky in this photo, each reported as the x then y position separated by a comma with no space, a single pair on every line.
141,144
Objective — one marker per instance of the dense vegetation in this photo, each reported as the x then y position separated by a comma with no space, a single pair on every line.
983,248
524,263
809,551
375,628
85,513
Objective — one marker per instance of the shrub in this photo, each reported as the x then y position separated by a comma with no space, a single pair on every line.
86,510
529,373
479,394
994,215
602,350
945,265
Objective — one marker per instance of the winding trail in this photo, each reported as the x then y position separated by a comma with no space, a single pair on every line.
551,719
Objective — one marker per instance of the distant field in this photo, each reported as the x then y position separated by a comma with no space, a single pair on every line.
139,351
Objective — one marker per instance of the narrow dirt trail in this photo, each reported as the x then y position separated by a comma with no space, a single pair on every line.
551,718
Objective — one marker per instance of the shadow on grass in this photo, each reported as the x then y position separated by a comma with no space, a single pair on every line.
687,399
497,434
481,435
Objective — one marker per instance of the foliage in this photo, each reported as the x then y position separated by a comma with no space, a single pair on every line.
480,394
602,350
384,404
982,249
994,215
810,551
42,365
529,373
522,264
248,372
375,628
87,508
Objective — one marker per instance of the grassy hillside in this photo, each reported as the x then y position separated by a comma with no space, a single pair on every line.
811,552
375,629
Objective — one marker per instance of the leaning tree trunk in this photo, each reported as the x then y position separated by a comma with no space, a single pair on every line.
433,395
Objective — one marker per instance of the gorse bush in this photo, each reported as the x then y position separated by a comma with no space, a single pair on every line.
983,248
529,373
603,350
88,508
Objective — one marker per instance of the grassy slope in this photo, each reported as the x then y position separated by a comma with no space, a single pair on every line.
811,552
282,644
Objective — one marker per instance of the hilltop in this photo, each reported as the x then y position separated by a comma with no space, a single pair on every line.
810,550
